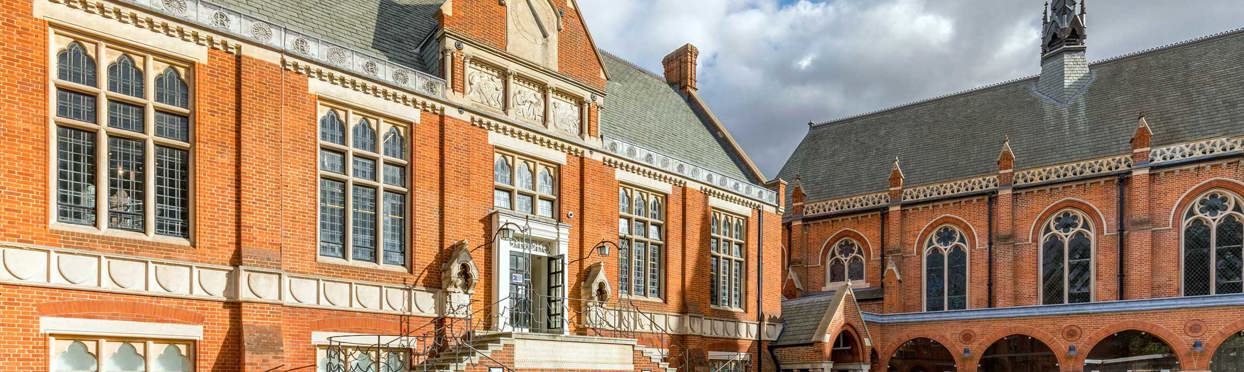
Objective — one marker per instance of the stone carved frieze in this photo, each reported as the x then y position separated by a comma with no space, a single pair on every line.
528,103
485,86
1197,149
566,116
952,188
1073,170
846,204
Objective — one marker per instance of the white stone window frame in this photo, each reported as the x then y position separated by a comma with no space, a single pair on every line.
100,345
1190,214
737,283
349,115
628,238
514,191
151,64
832,256
1048,230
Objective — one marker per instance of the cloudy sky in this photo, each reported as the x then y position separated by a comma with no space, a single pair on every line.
768,67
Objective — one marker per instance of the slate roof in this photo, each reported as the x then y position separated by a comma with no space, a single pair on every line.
391,29
1188,91
801,317
643,110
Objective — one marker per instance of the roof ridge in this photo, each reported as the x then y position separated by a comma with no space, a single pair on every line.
1019,79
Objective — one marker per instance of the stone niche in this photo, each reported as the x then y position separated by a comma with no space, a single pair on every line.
532,27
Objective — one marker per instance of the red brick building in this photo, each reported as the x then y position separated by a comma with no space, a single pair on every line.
269,185
1086,219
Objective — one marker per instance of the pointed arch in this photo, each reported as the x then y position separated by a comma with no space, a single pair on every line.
842,233
1095,215
945,264
1211,241
171,89
124,77
75,64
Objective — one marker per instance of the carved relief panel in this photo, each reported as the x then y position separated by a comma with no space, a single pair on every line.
485,86
528,101
566,115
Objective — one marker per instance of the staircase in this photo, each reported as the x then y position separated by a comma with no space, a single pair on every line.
463,355
657,355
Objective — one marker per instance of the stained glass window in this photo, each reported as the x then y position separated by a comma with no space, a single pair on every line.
1066,258
1213,244
846,261
945,270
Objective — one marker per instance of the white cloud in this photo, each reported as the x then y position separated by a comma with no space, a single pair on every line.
768,67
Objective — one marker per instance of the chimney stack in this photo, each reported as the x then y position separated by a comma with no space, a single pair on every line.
680,67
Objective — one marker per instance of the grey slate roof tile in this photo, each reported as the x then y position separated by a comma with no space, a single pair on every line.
390,29
1188,91
802,317
643,110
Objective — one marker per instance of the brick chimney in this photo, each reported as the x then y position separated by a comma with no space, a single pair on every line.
680,67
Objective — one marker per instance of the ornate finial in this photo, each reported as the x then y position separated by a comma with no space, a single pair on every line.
1083,7
1063,28
1045,13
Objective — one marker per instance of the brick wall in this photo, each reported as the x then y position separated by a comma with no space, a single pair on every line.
255,154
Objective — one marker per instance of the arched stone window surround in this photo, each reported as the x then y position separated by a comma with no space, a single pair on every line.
1087,224
969,235
1188,214
827,253
1094,214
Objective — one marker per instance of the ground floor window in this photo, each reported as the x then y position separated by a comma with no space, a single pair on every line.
1131,351
734,365
362,359
75,354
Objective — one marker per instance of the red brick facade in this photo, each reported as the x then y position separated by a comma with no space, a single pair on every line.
255,199
1153,201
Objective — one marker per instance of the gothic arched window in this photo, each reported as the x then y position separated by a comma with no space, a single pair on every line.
125,78
1067,259
171,89
1212,236
846,262
364,136
75,65
946,270
331,128
394,143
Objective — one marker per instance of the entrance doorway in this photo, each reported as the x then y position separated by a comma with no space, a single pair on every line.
530,275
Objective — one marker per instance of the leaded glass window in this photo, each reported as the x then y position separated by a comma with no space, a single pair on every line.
86,353
726,247
1213,232
524,185
1067,258
945,270
366,181
846,262
141,160
642,230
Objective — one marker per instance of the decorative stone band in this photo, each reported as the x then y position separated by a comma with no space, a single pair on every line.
1196,150
245,27
1075,170
960,187
678,324
847,204
699,174
1165,155
1171,303
72,269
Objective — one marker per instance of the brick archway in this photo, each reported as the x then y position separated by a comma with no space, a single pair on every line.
1171,339
857,342
885,354
1219,338
952,220
845,233
1046,338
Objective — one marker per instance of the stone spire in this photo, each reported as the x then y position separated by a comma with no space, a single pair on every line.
1063,28
1064,67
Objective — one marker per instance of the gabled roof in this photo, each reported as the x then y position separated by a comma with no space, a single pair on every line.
643,110
1188,91
392,29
